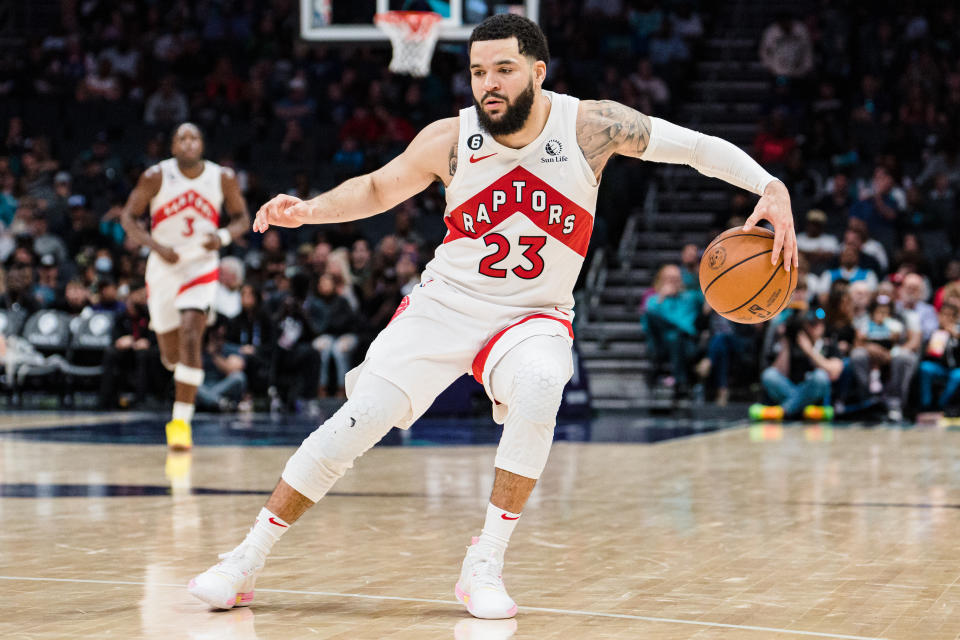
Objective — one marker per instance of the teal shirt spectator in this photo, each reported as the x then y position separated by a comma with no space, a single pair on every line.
8,207
681,310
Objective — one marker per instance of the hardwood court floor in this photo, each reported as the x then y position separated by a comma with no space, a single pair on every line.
751,533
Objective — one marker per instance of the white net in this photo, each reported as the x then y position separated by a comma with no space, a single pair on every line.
413,35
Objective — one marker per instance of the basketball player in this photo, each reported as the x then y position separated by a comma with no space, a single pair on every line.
521,169
185,194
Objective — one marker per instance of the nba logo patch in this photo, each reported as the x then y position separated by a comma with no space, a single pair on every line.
716,258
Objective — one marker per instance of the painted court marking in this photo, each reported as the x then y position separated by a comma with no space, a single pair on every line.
569,612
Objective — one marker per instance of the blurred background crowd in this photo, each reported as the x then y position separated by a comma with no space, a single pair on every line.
861,121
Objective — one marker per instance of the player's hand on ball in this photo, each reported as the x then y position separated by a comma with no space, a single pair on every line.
168,254
280,211
774,206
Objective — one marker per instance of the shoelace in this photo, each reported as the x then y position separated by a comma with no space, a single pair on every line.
487,573
234,569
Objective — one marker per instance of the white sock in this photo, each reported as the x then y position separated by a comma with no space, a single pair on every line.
264,534
183,411
497,529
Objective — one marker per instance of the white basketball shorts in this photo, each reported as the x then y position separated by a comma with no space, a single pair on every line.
190,283
440,332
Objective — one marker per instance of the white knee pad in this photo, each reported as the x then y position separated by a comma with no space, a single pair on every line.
531,378
373,408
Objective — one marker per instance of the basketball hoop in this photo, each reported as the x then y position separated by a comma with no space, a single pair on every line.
413,34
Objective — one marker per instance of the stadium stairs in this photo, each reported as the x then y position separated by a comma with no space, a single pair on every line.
725,98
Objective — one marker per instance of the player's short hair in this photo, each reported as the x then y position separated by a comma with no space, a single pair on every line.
530,38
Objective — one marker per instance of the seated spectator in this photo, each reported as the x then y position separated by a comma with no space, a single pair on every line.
887,347
836,203
819,247
670,322
407,274
801,375
861,295
48,276
872,254
690,266
772,142
295,362
224,380
848,270
912,299
941,360
134,356
100,84
952,275
228,301
653,94
106,298
251,335
880,209
730,344
337,341
167,106
19,293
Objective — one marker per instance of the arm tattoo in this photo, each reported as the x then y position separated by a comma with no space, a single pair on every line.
453,160
605,127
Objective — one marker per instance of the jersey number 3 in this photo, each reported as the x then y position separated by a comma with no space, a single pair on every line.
189,230
533,245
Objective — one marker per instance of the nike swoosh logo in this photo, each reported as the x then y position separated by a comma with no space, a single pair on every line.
506,517
473,159
353,421
279,524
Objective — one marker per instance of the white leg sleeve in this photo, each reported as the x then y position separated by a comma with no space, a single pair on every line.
375,405
530,379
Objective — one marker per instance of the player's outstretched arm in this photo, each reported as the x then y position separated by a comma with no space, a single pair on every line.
605,127
426,159
148,185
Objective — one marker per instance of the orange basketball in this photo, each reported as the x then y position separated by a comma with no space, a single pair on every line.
738,280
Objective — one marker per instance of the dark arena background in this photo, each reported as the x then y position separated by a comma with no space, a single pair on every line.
708,480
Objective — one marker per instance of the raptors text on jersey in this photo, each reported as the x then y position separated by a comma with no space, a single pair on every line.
518,220
186,209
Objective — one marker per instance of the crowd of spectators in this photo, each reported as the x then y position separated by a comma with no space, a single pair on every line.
862,124
89,104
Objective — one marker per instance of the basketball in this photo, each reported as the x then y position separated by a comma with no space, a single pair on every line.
739,282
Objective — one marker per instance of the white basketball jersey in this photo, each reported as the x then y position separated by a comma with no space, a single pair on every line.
518,220
185,209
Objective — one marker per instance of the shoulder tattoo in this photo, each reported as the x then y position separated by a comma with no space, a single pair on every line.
606,127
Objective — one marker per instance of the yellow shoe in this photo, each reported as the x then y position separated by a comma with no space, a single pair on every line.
178,435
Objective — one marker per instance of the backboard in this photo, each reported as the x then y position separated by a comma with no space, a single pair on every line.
352,20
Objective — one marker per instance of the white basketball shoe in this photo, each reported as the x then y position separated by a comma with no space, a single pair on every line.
480,587
229,583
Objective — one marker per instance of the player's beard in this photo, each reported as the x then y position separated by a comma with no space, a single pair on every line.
514,116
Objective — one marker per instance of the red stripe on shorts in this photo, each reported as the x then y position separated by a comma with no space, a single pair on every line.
480,361
206,278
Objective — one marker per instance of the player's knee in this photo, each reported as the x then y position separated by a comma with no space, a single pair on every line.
538,387
331,449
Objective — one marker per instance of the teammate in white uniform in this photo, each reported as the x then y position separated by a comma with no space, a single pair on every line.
185,194
521,169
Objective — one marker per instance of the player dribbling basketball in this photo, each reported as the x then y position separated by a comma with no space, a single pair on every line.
521,170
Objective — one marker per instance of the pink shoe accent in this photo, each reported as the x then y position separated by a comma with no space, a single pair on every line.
192,583
461,594
474,540
512,612
244,599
